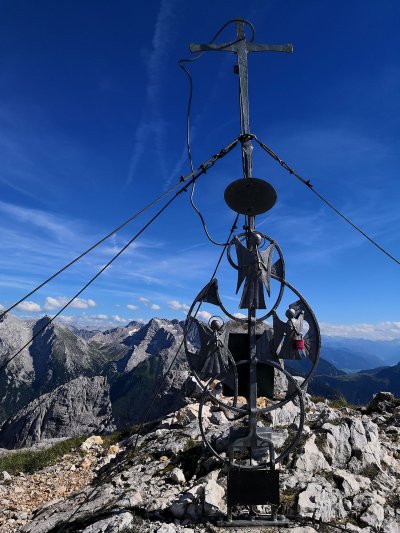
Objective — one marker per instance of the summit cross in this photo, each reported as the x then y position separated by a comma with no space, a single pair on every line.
241,47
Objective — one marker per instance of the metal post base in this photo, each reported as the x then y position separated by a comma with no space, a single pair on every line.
260,521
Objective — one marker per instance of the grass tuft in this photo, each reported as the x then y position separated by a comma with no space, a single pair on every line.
28,461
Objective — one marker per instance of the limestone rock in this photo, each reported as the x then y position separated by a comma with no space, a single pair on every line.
213,499
286,415
348,483
391,526
178,476
337,447
5,477
118,522
76,408
190,412
322,502
167,528
91,442
373,516
381,402
305,529
364,440
311,459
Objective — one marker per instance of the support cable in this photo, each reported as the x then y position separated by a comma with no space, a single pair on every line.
209,163
197,174
311,188
189,106
157,391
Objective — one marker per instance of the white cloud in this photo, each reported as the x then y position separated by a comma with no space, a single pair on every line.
29,306
151,125
40,219
101,317
67,319
79,303
175,305
377,331
1,307
132,307
240,315
118,318
147,303
205,315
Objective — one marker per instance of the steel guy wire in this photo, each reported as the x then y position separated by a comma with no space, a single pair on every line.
189,107
331,206
209,163
158,389
202,170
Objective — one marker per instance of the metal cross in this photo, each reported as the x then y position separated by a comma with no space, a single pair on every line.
242,47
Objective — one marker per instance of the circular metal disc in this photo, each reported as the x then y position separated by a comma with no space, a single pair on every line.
250,196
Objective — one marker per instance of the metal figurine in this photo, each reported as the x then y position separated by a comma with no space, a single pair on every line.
245,354
289,341
255,268
214,353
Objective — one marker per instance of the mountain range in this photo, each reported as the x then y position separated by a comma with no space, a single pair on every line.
56,374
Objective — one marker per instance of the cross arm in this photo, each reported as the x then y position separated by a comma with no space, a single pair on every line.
254,47
225,47
233,47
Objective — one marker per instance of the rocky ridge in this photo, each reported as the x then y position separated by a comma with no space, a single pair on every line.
131,359
344,475
79,407
127,361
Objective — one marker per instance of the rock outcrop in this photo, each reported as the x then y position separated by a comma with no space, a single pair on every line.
345,473
55,357
79,407
133,360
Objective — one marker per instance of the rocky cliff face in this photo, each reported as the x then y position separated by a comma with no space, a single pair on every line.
80,407
131,361
55,357
135,377
344,476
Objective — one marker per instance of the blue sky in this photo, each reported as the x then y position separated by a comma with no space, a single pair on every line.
92,127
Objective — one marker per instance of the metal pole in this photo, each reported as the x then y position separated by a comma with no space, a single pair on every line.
247,152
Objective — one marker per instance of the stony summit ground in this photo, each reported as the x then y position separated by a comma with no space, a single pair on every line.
344,476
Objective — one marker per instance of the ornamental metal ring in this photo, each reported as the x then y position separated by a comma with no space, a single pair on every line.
286,450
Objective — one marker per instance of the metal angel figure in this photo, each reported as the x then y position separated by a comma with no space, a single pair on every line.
254,267
213,358
289,342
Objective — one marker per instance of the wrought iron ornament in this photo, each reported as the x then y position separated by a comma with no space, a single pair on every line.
240,363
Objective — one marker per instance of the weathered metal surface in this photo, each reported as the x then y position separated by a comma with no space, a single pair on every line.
243,361
257,487
254,268
213,359
257,522
241,47
250,196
